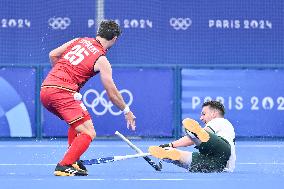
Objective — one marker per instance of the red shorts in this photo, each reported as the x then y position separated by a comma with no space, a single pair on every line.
61,102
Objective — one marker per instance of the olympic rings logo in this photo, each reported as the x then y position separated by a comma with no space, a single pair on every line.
59,23
99,100
180,23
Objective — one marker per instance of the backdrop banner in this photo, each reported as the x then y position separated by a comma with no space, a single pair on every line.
254,99
154,32
17,102
148,92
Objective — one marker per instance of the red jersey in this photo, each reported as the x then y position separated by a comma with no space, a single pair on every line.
76,65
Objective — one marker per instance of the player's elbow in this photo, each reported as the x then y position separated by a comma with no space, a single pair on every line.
53,58
52,55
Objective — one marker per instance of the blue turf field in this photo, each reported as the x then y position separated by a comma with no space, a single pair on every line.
30,164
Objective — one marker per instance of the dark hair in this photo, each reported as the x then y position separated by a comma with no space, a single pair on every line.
215,105
109,29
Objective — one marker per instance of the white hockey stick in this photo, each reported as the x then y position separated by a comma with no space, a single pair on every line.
151,162
113,158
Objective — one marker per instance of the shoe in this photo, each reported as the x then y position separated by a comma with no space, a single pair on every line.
164,153
68,170
79,166
193,126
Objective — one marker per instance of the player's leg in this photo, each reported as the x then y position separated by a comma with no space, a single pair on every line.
192,161
172,155
86,133
184,162
214,151
209,142
63,104
216,146
206,163
192,127
72,134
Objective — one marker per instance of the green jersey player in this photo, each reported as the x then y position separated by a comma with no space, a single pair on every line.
215,143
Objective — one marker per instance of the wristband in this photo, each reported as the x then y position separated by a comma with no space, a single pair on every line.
126,110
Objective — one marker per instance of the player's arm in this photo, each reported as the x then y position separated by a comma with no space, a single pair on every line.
55,54
182,142
103,66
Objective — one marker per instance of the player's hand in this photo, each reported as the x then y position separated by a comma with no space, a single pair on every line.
130,120
169,145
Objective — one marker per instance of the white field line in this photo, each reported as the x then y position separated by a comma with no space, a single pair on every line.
145,179
53,164
151,179
124,146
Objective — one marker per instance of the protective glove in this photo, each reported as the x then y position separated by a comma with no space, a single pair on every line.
167,145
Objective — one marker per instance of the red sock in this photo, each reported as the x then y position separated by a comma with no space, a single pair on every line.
78,147
72,133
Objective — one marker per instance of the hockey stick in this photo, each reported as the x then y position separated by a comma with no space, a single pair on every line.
112,159
151,162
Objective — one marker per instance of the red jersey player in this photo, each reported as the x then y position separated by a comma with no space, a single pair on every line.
73,64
